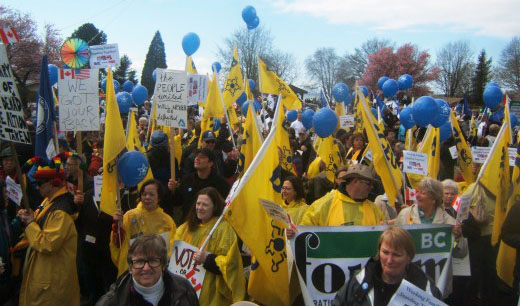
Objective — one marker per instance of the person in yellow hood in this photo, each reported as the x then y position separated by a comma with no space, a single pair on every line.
347,205
293,198
224,282
51,257
146,218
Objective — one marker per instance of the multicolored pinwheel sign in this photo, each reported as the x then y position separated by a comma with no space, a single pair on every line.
75,53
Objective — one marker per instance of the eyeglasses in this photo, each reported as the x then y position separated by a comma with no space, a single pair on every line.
139,263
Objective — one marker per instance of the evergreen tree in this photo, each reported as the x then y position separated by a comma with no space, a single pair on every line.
89,33
480,79
121,73
132,76
155,58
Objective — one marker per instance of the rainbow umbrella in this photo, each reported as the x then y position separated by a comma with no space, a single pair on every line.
75,53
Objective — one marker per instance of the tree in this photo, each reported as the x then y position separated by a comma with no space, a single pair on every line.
407,59
124,72
155,58
509,65
352,66
323,69
89,33
52,42
480,79
252,44
454,63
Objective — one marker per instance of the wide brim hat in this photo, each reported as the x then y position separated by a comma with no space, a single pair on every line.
361,171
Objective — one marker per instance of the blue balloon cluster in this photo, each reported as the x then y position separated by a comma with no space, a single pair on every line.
444,113
425,111
365,90
139,94
132,168
240,101
445,131
128,86
292,115
104,86
307,116
406,118
124,101
390,88
53,74
405,82
250,18
325,122
340,92
190,43
492,95
245,107
381,81
215,67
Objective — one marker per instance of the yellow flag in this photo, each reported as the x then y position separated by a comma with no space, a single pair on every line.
264,236
410,144
329,153
494,175
251,142
383,158
248,91
431,146
234,85
473,127
190,66
132,139
340,111
214,106
358,116
114,144
507,118
282,141
206,124
464,155
272,84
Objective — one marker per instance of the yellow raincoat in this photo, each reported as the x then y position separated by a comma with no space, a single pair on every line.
50,275
337,209
229,287
295,209
139,221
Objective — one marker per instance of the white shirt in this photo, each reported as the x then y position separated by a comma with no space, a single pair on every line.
297,126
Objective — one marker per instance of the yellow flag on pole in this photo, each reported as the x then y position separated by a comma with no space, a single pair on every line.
234,85
114,144
464,155
282,141
214,107
251,142
272,84
429,145
330,155
190,66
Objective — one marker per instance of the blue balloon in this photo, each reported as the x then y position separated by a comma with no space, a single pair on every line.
406,117
240,101
252,84
139,94
340,92
132,168
53,74
425,111
514,120
492,96
117,86
258,106
154,75
307,116
216,66
324,122
497,116
245,107
445,131
390,88
216,124
365,90
248,14
405,82
104,86
381,81
128,86
374,112
190,43
254,23
492,83
292,115
124,101
444,113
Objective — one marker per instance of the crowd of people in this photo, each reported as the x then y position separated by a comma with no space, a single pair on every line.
62,249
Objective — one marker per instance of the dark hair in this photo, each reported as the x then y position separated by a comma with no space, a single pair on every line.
150,246
218,206
297,186
160,188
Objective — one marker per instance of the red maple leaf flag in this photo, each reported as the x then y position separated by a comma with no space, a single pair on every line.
9,35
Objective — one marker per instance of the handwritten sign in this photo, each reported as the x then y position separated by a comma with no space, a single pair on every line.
409,294
275,211
198,85
347,121
12,123
415,162
102,56
481,153
13,190
79,102
182,263
171,96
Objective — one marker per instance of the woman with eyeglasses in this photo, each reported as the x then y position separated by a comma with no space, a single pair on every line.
147,281
146,218
294,198
224,282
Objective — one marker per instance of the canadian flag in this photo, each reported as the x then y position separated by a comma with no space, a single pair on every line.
456,203
9,35
410,196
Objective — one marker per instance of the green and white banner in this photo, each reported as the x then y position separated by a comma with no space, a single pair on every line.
327,256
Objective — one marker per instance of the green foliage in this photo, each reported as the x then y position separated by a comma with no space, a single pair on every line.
124,72
480,79
89,33
155,58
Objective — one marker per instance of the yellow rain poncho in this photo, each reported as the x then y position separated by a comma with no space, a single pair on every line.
295,209
139,221
229,287
337,209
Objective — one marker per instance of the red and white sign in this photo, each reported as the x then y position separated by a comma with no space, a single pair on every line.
182,263
9,35
410,196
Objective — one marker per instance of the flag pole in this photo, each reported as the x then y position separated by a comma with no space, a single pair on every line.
172,153
226,112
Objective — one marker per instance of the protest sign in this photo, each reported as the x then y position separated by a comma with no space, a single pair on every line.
13,190
198,85
79,101
98,180
102,56
480,154
170,94
182,263
463,208
12,124
275,211
347,121
409,294
326,257
415,162
453,152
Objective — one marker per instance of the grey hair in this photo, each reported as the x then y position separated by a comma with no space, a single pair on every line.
434,189
143,119
149,245
450,184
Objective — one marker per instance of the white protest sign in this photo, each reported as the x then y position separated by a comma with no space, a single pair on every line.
415,162
453,152
78,98
182,263
463,209
198,85
347,121
409,294
480,154
12,123
368,155
171,96
13,190
98,180
102,56
275,211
